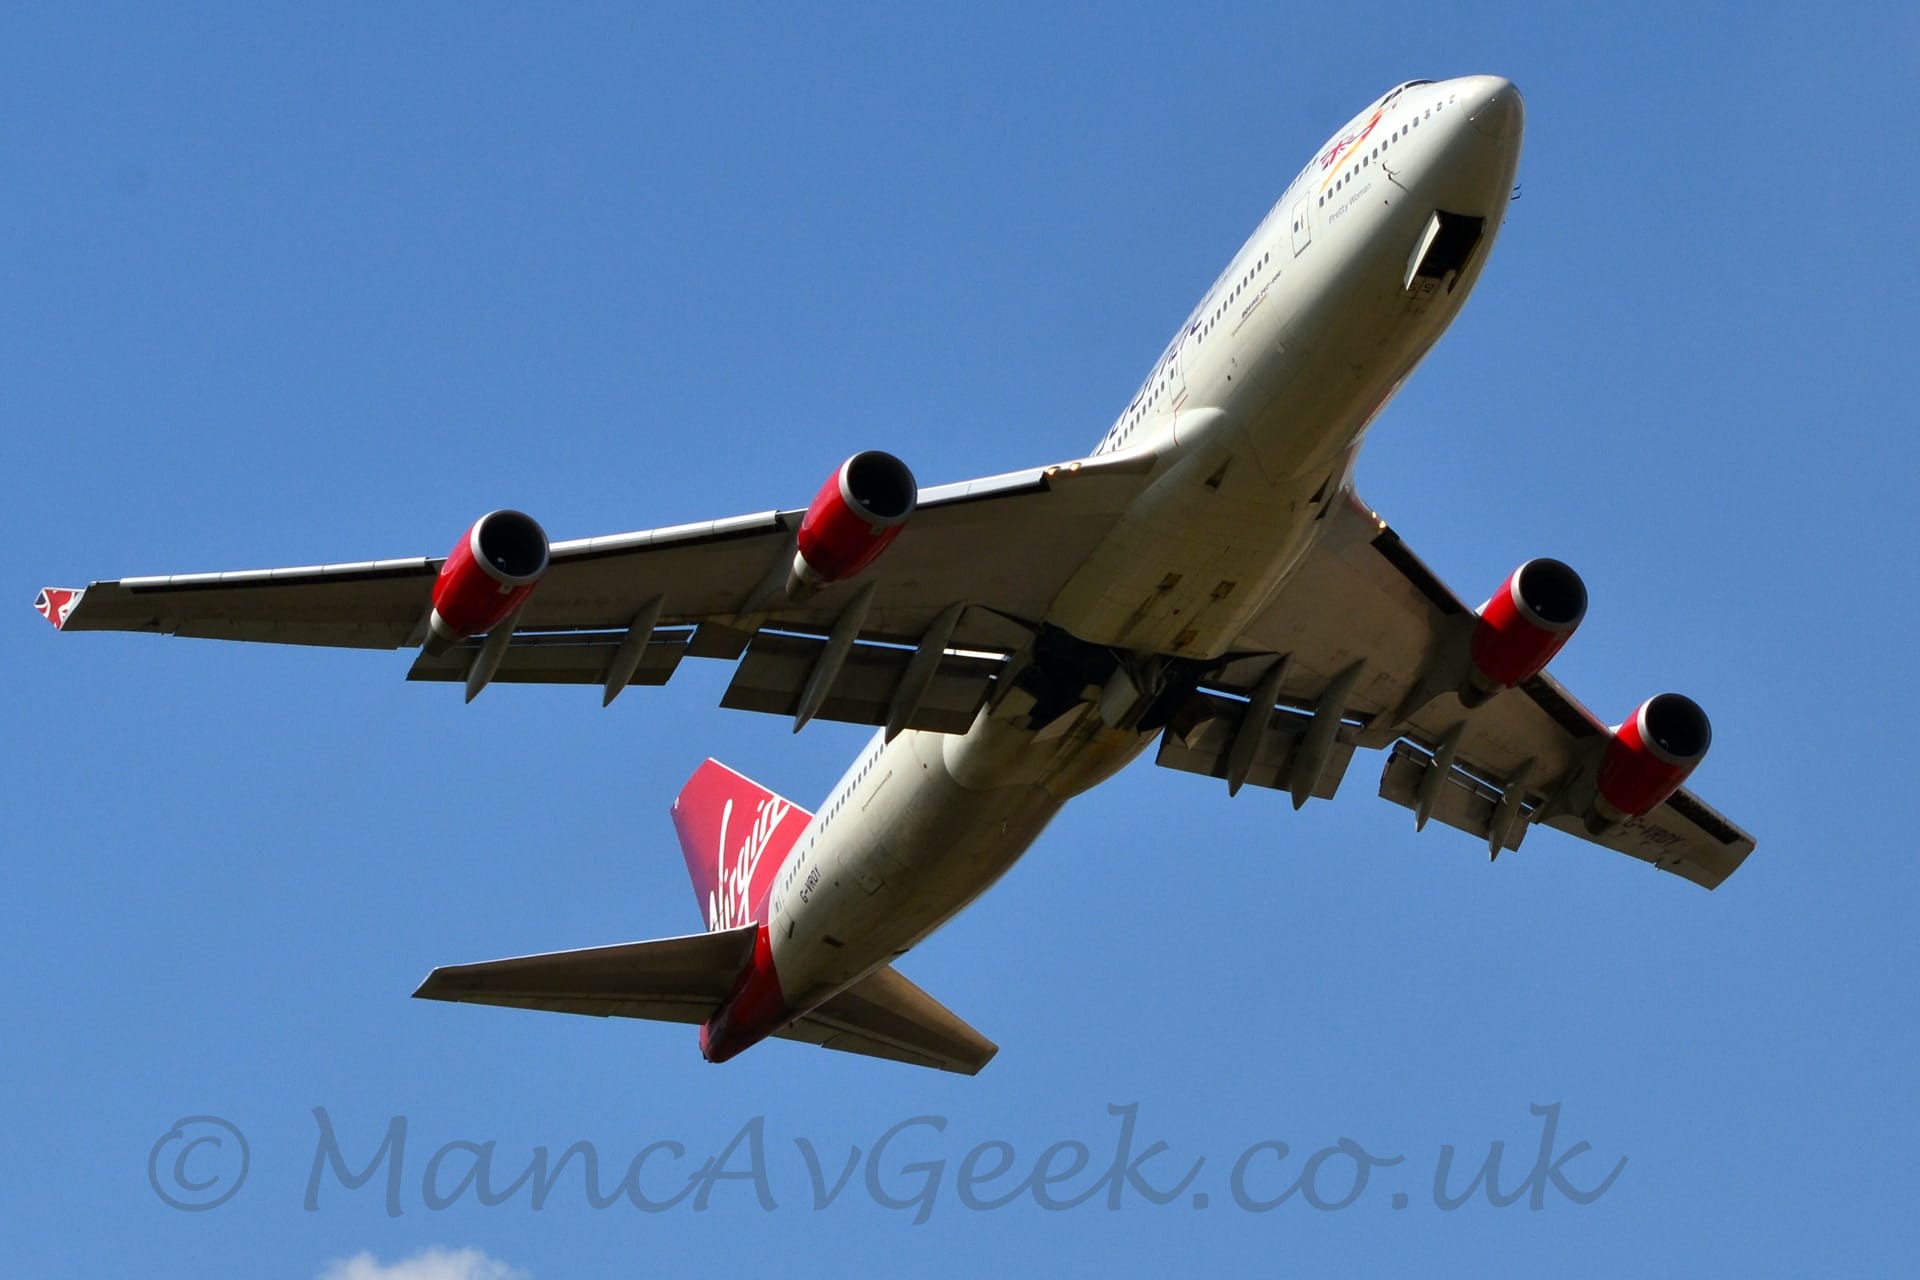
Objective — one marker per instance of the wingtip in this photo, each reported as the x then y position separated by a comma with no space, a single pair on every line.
56,604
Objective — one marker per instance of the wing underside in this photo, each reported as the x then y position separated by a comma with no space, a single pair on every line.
1343,659
1003,544
965,581
1357,636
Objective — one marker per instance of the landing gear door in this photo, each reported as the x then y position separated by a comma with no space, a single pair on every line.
1302,233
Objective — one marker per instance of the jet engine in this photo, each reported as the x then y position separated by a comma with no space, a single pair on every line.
861,508
487,575
1526,622
1651,754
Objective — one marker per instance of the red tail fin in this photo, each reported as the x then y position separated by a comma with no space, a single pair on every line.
735,834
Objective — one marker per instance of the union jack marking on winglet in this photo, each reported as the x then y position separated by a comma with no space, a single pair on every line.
55,604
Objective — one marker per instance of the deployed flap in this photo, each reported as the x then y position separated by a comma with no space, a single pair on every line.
559,657
668,979
885,1016
777,667
1201,732
1459,799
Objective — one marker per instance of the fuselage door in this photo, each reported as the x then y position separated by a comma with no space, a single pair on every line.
1302,233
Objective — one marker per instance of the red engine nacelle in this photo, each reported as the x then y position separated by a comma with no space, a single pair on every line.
1651,754
859,510
489,572
1526,622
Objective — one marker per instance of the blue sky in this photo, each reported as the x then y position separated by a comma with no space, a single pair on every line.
285,287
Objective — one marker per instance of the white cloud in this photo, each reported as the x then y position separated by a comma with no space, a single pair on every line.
428,1264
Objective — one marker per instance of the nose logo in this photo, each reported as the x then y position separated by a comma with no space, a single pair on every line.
1346,144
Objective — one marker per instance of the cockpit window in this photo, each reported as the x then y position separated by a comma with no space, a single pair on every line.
1397,91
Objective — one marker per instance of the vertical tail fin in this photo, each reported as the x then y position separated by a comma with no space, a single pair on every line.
735,834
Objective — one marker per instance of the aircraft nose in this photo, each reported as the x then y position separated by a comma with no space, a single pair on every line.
1497,110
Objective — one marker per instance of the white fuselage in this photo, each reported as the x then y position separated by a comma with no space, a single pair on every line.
1253,415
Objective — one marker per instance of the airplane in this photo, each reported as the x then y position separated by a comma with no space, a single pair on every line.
1206,582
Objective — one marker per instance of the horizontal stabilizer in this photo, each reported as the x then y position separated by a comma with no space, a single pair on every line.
885,1016
685,980
666,980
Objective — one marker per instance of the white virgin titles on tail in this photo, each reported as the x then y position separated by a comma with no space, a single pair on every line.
730,904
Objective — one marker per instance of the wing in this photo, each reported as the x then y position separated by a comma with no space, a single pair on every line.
978,560
1367,632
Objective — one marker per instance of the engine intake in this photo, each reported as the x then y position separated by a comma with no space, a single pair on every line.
1651,754
487,575
861,509
1528,620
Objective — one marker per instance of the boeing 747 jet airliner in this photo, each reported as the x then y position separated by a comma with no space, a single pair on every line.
1205,583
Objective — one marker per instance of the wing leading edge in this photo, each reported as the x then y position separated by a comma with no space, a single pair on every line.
1003,543
965,582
